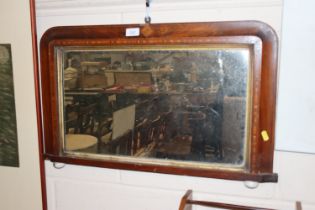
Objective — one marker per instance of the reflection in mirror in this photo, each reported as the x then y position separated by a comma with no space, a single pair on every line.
187,104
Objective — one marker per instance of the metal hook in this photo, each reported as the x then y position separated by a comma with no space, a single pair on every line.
58,165
251,184
147,18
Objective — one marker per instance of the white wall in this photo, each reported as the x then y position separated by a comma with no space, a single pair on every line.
20,187
81,188
85,188
296,106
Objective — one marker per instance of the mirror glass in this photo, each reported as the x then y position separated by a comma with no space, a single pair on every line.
170,104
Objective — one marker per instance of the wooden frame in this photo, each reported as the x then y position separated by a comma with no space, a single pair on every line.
38,103
263,44
187,202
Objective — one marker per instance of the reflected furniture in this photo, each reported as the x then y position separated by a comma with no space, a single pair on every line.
203,94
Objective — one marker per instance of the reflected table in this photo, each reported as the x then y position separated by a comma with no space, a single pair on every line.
81,142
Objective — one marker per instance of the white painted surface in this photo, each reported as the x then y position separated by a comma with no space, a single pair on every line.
102,12
81,188
20,187
296,98
84,188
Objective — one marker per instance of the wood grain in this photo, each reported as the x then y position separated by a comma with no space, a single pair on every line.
38,104
259,35
187,202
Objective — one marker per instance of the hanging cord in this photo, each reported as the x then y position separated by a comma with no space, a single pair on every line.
147,18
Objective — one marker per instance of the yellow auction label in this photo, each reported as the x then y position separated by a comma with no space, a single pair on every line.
264,135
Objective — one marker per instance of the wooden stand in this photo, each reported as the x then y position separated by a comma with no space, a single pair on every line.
187,202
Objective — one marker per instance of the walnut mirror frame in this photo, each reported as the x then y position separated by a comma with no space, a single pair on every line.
192,99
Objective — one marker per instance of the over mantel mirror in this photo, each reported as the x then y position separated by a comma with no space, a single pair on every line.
192,98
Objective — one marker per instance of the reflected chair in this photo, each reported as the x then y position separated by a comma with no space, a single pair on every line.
212,132
72,119
80,128
140,137
120,145
87,119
